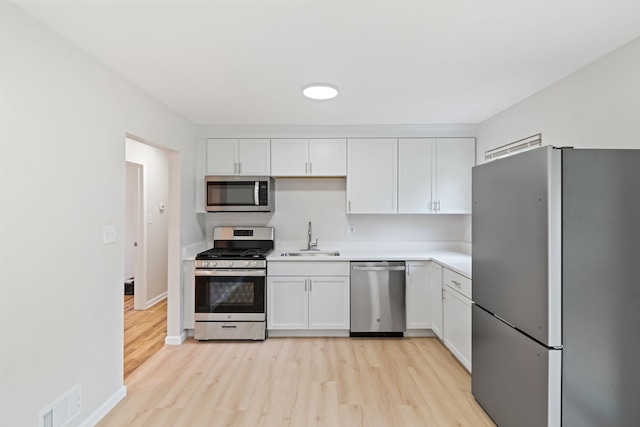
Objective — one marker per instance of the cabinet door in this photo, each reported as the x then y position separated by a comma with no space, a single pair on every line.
436,299
254,157
329,302
287,304
289,157
327,157
455,157
418,295
372,175
222,157
457,325
414,175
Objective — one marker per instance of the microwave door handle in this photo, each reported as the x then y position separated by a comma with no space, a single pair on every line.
256,193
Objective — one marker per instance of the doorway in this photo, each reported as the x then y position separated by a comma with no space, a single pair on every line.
146,250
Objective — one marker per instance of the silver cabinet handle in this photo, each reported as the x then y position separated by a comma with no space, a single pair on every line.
310,285
456,283
306,167
349,206
310,168
239,168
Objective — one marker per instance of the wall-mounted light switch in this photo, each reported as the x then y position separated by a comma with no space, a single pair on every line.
108,234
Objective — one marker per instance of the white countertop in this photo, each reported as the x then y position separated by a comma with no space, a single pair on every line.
454,256
458,261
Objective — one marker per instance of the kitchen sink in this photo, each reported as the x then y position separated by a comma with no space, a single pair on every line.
311,253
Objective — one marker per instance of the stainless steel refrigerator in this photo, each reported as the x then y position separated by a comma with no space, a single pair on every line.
556,288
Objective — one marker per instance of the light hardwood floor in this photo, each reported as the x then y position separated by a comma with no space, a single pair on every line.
144,333
301,382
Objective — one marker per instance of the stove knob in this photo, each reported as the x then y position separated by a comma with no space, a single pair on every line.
230,263
214,263
254,263
205,264
246,263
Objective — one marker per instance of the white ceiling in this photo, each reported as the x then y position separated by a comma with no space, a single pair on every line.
244,62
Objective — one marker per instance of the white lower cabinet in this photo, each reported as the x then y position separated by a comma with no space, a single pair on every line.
329,306
418,295
288,303
436,299
316,302
308,302
457,316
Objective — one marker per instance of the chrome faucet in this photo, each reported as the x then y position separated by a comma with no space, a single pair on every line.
310,245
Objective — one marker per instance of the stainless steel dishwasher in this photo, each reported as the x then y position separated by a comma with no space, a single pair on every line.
377,299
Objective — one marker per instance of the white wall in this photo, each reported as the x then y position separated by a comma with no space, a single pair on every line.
63,122
596,107
322,201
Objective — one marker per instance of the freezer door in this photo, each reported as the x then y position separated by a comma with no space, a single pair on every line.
515,379
516,241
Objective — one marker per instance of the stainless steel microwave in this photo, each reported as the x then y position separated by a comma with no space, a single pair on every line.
240,194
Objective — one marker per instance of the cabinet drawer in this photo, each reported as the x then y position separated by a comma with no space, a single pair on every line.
310,268
458,282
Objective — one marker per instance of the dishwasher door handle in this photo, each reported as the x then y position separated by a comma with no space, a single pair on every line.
357,268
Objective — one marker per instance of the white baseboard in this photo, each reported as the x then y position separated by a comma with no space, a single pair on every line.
156,300
97,415
176,339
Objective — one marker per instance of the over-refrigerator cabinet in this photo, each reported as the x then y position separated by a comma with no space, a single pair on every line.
556,287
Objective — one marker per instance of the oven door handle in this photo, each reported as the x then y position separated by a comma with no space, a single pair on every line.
230,273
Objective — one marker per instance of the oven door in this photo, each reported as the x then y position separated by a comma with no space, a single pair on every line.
230,295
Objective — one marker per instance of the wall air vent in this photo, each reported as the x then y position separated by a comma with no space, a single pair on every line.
515,147
61,412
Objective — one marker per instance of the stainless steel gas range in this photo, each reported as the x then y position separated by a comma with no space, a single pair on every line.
230,284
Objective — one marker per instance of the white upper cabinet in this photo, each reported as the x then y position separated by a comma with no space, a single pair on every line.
308,157
289,157
415,170
372,175
238,157
455,157
434,175
222,156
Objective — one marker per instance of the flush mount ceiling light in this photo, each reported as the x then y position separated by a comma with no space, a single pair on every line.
320,91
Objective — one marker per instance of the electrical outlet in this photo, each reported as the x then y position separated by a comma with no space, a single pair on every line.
350,230
108,234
